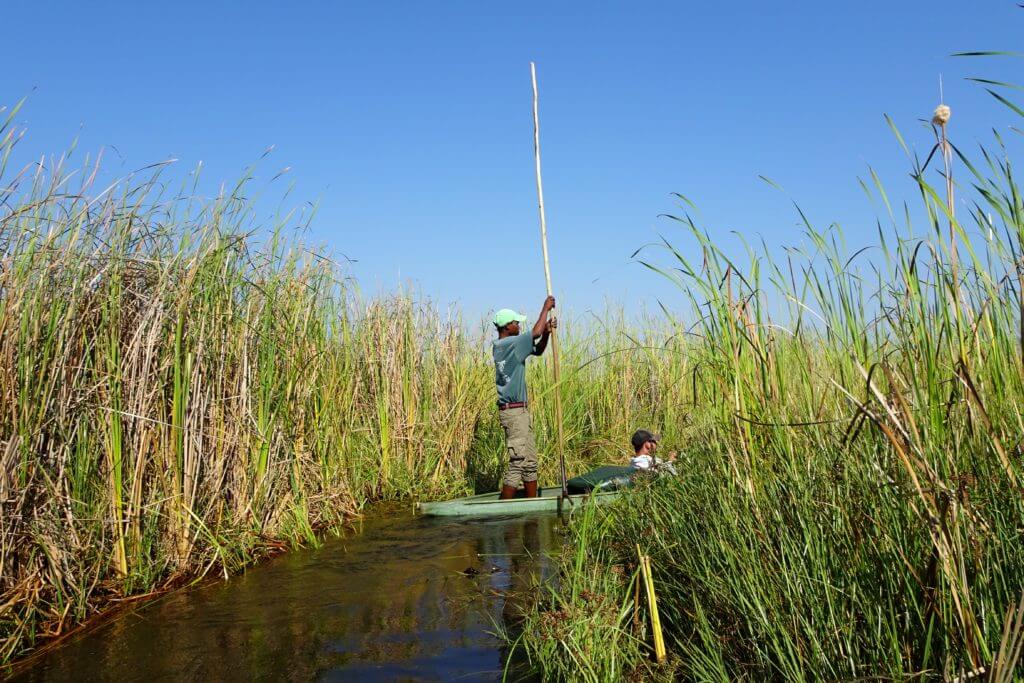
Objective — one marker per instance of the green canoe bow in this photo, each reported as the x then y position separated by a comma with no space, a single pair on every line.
549,500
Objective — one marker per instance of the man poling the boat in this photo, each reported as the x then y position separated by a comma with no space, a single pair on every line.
510,350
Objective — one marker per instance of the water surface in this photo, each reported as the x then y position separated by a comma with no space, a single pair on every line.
393,601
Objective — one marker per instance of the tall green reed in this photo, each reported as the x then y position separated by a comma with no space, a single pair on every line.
177,393
851,504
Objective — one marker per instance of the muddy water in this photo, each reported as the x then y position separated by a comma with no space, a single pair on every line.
393,601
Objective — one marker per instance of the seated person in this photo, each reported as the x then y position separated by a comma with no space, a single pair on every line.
645,444
612,477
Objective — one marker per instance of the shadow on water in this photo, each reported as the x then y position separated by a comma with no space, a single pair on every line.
407,598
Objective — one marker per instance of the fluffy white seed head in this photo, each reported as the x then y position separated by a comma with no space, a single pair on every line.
941,116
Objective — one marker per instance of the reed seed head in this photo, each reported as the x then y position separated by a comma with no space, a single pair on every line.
941,115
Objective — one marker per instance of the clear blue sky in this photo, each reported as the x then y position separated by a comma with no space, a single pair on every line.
410,122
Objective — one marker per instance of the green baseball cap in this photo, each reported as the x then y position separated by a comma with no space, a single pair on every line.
507,315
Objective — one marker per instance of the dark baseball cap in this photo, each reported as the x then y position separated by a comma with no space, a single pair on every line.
642,436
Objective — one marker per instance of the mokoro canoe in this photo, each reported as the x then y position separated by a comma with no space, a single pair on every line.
489,504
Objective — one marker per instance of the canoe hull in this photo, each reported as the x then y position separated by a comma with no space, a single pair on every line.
487,504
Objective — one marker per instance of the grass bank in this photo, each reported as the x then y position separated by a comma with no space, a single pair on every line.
850,504
178,396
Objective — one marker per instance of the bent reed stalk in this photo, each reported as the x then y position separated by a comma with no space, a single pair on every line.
851,502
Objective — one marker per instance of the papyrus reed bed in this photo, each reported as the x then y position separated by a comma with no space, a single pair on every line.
177,393
851,502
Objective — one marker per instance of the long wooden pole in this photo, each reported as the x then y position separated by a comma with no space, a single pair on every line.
547,277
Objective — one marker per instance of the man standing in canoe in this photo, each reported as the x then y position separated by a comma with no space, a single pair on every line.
511,349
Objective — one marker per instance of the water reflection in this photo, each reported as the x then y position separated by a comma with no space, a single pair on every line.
409,598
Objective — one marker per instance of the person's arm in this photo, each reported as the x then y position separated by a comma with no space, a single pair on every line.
541,325
542,343
666,461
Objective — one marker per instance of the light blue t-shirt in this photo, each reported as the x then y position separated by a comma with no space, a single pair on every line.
510,356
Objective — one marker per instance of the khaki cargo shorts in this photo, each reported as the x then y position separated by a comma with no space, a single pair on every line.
522,449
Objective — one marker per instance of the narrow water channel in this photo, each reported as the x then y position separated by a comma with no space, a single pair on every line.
403,598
